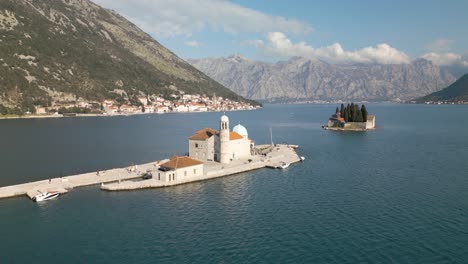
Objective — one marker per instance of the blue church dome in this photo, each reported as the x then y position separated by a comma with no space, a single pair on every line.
241,130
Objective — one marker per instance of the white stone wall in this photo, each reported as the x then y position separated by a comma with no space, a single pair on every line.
180,174
240,149
355,125
370,123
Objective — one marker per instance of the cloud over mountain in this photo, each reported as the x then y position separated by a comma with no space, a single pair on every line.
445,59
280,45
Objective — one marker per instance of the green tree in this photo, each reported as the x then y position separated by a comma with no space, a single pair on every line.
346,115
352,115
364,113
356,113
337,111
342,110
348,109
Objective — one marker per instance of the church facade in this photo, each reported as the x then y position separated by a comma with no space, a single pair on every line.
221,145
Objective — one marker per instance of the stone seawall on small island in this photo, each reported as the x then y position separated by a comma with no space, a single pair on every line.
350,118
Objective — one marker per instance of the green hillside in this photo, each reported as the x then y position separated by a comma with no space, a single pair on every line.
55,50
458,91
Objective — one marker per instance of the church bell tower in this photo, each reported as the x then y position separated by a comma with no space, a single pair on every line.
224,139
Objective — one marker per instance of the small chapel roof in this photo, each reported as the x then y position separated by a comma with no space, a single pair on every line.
177,162
241,130
204,134
234,136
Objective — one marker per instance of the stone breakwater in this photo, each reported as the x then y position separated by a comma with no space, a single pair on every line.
130,178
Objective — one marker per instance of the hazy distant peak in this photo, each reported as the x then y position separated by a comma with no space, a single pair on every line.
237,58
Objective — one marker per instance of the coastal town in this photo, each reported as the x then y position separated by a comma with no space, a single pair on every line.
158,104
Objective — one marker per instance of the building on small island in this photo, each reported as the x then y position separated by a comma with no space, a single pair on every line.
212,154
208,145
370,122
222,146
179,168
336,120
351,118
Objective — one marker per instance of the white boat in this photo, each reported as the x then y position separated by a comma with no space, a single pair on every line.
283,165
302,158
45,196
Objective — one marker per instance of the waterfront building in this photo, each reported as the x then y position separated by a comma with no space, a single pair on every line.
370,123
222,146
179,169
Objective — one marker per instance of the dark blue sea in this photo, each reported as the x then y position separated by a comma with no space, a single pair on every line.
398,194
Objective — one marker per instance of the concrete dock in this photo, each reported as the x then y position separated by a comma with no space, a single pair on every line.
273,156
63,184
130,178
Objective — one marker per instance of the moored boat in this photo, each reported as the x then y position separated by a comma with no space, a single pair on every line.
283,165
45,196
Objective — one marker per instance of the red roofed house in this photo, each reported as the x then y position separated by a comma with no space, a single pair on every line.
179,169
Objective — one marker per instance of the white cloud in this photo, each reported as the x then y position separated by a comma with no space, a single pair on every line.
279,45
183,17
446,59
193,43
258,43
440,45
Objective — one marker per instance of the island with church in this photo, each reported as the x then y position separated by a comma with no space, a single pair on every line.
350,118
212,153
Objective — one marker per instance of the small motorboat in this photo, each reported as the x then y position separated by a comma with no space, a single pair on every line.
45,196
283,165
302,158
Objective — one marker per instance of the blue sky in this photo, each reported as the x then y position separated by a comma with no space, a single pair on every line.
335,31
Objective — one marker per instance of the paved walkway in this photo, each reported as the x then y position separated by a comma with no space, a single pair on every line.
69,182
130,178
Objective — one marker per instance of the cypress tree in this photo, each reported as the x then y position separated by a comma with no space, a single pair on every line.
359,115
348,109
356,113
353,114
337,111
346,115
364,113
342,110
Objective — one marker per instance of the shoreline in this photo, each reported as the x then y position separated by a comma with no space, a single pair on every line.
112,115
348,129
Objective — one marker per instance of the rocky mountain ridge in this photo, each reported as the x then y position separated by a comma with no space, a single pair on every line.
302,80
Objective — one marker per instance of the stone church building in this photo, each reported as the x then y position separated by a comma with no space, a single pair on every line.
222,146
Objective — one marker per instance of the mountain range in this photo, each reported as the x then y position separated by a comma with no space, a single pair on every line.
303,80
64,50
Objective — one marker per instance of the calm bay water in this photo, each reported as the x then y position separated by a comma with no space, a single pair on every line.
395,195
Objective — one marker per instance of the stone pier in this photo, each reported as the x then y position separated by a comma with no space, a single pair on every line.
130,178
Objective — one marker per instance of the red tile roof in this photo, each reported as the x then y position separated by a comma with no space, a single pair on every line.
206,133
177,162
203,134
235,136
